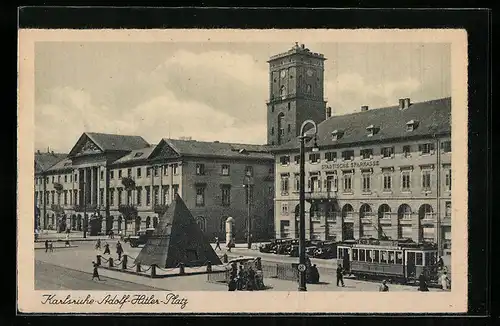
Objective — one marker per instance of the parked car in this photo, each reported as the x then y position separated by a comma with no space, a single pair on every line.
141,238
326,250
276,246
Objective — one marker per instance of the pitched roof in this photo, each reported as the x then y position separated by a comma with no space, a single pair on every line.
113,142
44,161
136,155
217,149
433,117
64,164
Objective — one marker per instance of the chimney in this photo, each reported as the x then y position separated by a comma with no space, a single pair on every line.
328,112
401,103
364,108
407,103
303,46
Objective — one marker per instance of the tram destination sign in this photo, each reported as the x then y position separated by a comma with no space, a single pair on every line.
347,165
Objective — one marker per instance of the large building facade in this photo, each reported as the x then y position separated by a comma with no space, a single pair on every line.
122,183
380,173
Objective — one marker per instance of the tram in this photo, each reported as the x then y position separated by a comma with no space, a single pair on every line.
399,261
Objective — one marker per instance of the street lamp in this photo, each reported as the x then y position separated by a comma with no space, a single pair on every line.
302,233
249,228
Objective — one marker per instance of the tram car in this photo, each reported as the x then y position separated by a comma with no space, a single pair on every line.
399,261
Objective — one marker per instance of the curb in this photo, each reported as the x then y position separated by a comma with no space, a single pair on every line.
72,240
157,276
63,247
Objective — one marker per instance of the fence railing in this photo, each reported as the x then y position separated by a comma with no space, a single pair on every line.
281,271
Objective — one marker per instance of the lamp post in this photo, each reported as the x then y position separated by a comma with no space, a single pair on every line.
249,227
302,232
85,219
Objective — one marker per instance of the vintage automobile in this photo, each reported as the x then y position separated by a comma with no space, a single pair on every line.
140,239
325,250
276,246
294,248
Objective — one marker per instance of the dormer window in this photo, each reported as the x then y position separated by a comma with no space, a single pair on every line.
372,130
337,134
411,125
139,154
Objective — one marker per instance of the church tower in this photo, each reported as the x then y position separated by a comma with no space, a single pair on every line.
296,93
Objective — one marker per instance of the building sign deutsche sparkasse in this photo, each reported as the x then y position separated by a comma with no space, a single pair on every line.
348,165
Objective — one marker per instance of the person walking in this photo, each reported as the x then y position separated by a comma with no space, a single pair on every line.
98,244
119,250
340,275
422,283
440,263
106,249
46,245
51,246
217,243
444,281
383,287
95,273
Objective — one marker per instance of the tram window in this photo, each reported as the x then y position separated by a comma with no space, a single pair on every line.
369,255
376,257
399,257
419,259
355,254
391,257
341,252
383,258
361,254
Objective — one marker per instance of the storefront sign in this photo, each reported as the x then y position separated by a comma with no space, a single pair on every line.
347,165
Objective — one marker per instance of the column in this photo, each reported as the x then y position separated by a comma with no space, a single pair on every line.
356,224
394,226
376,226
415,227
92,186
338,226
323,221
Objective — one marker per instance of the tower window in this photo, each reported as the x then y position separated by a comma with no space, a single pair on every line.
289,106
272,108
308,88
289,128
272,130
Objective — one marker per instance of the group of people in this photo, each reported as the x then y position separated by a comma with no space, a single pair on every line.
246,279
119,248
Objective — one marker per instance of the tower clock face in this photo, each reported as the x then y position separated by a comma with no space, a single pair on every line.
310,72
283,73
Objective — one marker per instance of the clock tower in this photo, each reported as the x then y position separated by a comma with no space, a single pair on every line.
296,93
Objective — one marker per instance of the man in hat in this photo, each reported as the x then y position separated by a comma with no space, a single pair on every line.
383,287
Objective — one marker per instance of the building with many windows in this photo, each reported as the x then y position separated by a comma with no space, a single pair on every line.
380,173
123,183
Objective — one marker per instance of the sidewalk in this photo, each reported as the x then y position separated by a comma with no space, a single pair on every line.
73,236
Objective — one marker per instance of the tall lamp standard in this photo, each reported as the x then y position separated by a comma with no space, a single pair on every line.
249,227
302,233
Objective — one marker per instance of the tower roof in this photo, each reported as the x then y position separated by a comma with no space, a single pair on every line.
297,49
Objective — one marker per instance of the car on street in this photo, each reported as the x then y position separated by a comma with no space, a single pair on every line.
140,239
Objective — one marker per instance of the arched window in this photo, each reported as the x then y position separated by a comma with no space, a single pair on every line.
282,90
425,212
281,124
347,211
200,220
404,212
148,221
365,211
314,211
384,211
308,88
155,221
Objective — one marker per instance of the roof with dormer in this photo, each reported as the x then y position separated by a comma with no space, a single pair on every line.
430,118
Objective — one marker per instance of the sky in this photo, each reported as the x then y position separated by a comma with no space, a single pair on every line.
211,91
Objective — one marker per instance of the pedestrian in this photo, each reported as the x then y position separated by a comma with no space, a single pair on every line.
96,271
51,246
314,274
383,287
444,280
340,275
217,243
98,244
440,263
119,250
241,278
106,249
258,264
46,245
250,279
422,283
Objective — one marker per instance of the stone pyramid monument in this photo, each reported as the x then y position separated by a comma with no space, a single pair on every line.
177,239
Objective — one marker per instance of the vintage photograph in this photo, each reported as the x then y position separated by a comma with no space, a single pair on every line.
294,165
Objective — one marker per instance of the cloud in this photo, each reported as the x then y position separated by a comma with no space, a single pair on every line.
350,91
72,112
